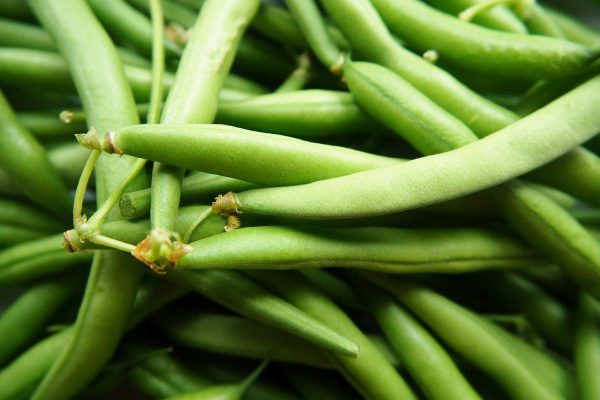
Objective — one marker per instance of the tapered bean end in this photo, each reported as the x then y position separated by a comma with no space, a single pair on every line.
161,250
226,205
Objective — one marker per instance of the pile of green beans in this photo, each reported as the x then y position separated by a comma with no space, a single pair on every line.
299,199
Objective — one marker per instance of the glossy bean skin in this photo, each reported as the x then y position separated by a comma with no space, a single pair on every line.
29,314
20,34
390,250
108,102
425,359
479,48
370,373
479,165
481,347
240,337
498,17
587,347
283,160
304,114
24,159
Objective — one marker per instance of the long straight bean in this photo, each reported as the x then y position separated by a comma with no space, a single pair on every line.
114,278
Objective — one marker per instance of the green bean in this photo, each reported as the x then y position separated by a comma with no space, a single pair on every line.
134,231
307,17
16,9
25,161
31,312
221,369
233,291
476,166
498,17
424,358
587,347
553,280
573,29
284,160
370,373
431,130
475,342
258,57
305,114
540,23
174,376
10,235
20,34
318,385
518,55
224,392
237,336
196,187
334,287
43,69
48,127
517,294
19,379
193,98
114,278
129,25
392,250
18,214
228,288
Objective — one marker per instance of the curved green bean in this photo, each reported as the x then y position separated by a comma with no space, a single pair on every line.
370,373
26,162
573,29
479,48
27,315
476,342
424,358
490,161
